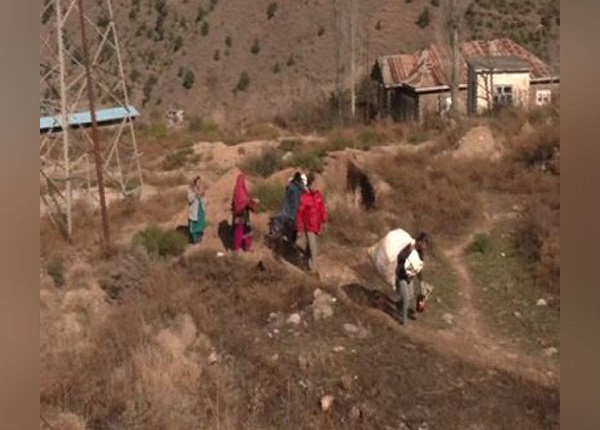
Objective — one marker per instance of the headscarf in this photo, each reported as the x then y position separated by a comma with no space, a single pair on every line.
241,198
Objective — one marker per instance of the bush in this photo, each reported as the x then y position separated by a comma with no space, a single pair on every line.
255,47
481,244
217,55
265,164
243,82
177,159
271,9
292,145
276,68
435,3
159,242
271,195
321,31
188,79
56,270
158,130
195,124
205,28
424,18
228,41
178,43
309,158
291,61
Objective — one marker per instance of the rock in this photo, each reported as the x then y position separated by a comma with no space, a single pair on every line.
338,348
294,319
346,381
275,357
322,311
541,302
355,413
517,314
350,328
287,156
549,352
448,318
326,402
213,358
303,362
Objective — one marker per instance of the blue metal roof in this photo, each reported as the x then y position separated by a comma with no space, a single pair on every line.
85,118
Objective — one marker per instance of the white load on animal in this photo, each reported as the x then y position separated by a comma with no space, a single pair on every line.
384,256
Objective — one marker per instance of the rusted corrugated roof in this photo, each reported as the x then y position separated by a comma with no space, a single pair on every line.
429,67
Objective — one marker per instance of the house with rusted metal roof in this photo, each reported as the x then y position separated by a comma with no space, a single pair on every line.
492,73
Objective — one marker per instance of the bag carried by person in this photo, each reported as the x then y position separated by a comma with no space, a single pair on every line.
384,253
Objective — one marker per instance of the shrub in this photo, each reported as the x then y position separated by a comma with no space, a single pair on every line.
159,242
255,47
205,28
228,41
321,31
217,55
292,145
309,158
188,79
195,124
147,90
243,82
200,14
368,138
291,61
270,195
158,130
56,270
177,159
276,68
265,164
178,43
271,9
481,244
435,3
424,18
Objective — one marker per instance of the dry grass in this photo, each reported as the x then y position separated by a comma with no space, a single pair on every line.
145,363
429,194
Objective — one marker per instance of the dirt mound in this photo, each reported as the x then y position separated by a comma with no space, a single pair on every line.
478,142
220,156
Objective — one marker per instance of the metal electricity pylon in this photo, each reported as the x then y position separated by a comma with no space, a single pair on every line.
82,87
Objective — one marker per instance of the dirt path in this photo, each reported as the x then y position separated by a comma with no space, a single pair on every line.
468,337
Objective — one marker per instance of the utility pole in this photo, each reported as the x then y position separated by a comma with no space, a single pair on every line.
95,136
454,43
353,17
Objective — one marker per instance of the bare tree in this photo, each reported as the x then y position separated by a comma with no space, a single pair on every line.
452,12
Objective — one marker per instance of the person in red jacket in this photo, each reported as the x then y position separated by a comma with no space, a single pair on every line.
310,217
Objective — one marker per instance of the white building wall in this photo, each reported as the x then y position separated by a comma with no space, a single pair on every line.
486,83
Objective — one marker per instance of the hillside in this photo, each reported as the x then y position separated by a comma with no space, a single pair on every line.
162,334
238,61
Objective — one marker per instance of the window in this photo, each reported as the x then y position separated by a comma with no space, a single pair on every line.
543,97
503,95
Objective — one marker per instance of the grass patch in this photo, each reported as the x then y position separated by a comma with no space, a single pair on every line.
507,285
439,273
264,164
159,242
271,195
56,270
480,245
178,159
